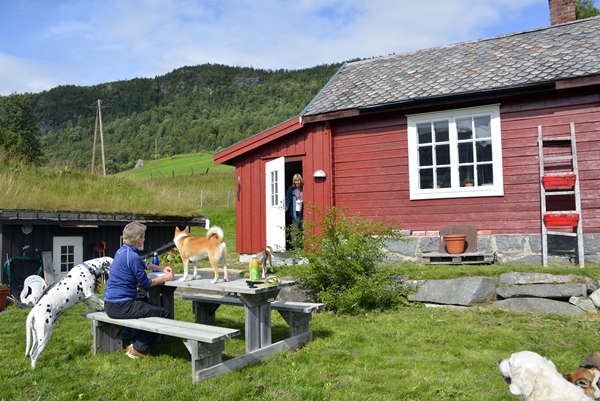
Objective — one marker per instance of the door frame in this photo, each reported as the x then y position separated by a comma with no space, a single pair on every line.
275,204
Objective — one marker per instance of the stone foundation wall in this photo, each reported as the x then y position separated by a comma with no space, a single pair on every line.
507,247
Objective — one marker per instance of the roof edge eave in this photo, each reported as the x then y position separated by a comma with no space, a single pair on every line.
229,154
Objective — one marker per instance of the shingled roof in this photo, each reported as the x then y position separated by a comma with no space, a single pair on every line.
521,59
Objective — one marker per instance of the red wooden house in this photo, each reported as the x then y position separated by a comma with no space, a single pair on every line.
397,136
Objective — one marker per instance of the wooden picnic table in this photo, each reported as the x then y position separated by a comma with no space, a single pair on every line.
204,341
256,300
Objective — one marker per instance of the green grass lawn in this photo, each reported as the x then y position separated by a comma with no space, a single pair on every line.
413,353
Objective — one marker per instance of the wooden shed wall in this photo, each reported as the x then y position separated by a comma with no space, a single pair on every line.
42,236
370,162
310,144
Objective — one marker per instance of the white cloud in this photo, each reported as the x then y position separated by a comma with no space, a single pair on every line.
84,43
22,75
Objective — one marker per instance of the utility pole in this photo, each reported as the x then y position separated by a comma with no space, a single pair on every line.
98,121
94,147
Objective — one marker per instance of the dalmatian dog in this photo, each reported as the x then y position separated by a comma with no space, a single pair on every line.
77,286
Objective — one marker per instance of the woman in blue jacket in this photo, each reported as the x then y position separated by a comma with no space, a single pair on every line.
294,198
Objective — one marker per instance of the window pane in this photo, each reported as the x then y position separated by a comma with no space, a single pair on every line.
464,129
426,178
273,188
425,156
484,151
443,177
465,172
465,152
485,174
442,154
424,133
441,131
482,127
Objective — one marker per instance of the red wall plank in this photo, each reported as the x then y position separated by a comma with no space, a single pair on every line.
366,162
372,177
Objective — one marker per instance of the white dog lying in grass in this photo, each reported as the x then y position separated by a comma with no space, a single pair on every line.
535,378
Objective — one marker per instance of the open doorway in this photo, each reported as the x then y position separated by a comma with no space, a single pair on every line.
291,167
278,178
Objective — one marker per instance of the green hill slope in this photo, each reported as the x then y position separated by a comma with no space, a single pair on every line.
176,166
197,109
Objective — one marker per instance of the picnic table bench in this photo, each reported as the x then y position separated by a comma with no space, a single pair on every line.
296,314
204,342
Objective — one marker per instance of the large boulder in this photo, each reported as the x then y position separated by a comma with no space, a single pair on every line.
464,291
517,278
553,291
539,305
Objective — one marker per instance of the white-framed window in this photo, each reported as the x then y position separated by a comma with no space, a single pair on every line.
450,150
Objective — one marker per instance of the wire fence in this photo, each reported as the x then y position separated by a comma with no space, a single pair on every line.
159,174
208,198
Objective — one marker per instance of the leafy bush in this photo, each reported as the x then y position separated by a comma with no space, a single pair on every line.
344,255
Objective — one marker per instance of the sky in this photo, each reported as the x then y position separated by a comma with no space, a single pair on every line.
47,43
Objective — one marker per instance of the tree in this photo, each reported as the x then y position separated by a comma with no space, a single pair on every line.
19,128
585,9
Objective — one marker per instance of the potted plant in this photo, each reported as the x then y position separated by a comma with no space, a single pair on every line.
468,182
561,219
4,291
439,183
565,180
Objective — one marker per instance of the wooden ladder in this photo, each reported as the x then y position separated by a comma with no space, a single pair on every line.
559,177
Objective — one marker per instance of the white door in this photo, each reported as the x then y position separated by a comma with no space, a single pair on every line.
67,252
275,196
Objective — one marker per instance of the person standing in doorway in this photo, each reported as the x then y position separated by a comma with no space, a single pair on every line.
294,198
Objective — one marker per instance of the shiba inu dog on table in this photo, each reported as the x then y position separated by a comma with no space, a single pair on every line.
194,249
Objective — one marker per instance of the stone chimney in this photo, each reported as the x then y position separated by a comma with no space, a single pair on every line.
562,11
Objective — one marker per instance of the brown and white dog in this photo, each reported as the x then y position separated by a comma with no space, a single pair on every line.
535,378
197,248
264,257
587,375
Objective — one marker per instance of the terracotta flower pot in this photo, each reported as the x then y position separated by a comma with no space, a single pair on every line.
455,243
3,294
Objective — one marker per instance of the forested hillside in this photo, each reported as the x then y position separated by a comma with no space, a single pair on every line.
192,109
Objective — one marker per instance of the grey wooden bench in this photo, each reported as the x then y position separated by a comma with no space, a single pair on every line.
204,342
296,314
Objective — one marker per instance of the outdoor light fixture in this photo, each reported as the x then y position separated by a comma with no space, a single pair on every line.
319,174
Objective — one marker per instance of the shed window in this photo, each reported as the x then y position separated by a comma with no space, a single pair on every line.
455,153
67,258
